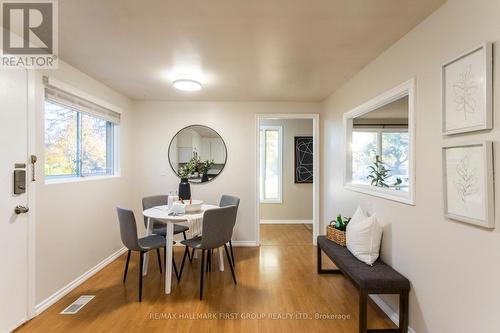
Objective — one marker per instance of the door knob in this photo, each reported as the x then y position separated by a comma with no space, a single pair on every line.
21,210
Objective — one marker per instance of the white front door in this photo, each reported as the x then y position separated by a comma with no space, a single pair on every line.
13,227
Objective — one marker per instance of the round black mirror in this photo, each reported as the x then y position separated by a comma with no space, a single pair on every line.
197,153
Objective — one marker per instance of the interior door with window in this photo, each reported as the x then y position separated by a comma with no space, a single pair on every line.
13,202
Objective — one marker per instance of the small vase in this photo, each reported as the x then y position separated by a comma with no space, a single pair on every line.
204,178
184,189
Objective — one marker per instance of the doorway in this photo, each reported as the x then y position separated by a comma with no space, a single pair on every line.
287,178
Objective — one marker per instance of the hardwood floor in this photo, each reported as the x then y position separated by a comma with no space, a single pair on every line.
285,234
278,291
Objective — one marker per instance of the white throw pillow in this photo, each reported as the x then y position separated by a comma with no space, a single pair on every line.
358,216
363,239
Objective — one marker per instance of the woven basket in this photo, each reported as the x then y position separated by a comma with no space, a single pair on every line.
335,235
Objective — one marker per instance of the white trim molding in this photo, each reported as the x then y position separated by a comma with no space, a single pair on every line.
263,162
45,304
316,166
286,221
16,326
244,243
393,315
407,88
32,140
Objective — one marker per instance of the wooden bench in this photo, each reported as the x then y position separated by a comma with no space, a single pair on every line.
377,279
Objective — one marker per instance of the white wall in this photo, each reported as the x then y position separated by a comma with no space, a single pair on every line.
76,224
155,123
297,199
454,268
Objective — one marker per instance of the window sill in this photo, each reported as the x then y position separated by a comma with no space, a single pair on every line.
271,201
79,179
399,196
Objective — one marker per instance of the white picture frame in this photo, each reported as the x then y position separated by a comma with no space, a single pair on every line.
466,91
468,183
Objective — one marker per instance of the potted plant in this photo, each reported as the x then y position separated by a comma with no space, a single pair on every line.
184,172
379,174
335,231
203,168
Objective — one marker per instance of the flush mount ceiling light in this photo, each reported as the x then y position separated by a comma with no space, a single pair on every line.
187,85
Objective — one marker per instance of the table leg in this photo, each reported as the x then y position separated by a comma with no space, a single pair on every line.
168,257
221,259
149,231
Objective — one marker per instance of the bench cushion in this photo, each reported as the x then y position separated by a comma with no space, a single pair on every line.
379,276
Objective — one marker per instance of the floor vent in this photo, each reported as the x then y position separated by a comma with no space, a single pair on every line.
78,304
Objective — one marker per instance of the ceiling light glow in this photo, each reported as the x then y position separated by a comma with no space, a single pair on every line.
187,85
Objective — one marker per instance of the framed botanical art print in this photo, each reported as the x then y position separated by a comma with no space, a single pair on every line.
467,92
468,183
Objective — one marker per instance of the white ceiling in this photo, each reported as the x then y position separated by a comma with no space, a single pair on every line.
253,50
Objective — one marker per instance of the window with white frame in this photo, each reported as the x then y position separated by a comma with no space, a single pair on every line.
79,137
271,156
390,146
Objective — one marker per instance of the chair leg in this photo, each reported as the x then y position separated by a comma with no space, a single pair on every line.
141,263
202,270
230,264
175,269
189,254
186,251
192,255
232,254
126,267
211,256
209,259
159,259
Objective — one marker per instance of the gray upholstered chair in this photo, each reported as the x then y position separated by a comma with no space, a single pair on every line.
218,226
158,227
128,233
229,200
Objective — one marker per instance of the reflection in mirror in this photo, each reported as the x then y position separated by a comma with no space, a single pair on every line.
380,147
197,153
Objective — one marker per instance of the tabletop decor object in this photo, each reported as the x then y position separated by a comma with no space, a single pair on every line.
184,172
335,231
184,189
190,206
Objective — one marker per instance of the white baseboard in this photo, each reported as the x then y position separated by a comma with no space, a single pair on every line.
244,243
393,315
11,329
286,221
76,282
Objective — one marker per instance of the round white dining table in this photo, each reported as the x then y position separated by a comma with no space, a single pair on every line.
163,214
